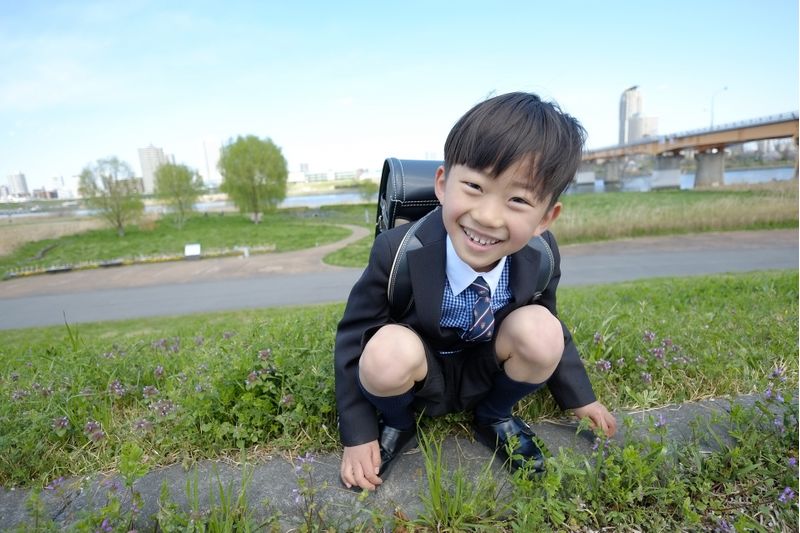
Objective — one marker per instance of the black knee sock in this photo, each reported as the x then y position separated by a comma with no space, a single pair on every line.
505,393
396,410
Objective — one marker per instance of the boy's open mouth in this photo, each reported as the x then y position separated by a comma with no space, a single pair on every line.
474,237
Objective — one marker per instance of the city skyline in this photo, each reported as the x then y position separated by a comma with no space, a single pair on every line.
358,82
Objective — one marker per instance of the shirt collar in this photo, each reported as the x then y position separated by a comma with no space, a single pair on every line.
460,275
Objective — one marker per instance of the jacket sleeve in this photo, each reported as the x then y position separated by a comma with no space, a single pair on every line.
367,308
569,384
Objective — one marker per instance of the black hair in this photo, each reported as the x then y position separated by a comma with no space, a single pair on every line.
519,128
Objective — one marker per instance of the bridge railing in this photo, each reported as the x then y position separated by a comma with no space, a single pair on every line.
662,139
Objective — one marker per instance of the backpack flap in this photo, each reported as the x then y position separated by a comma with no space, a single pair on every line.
406,192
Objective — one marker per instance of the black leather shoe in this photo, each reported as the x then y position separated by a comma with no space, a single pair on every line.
394,442
497,434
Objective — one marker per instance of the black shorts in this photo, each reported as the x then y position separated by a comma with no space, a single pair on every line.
456,382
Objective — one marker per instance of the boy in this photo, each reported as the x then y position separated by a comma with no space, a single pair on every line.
476,338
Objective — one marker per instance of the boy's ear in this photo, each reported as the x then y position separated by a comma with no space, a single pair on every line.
549,218
438,184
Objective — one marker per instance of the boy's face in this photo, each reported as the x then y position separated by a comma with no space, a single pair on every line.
488,218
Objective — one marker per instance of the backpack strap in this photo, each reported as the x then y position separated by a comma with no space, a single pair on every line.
399,290
546,264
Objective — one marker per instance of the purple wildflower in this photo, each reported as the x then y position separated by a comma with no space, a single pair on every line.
778,397
181,377
105,526
55,484
603,365
660,421
620,362
792,462
297,496
19,394
46,391
158,372
647,377
265,354
778,423
598,337
112,484
287,400
658,352
116,388
199,387
768,393
149,391
91,426
143,425
14,376
666,343
97,436
648,336
159,344
787,495
252,377
723,526
61,423
777,372
163,407
640,360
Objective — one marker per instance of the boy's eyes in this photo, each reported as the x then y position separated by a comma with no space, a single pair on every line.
519,200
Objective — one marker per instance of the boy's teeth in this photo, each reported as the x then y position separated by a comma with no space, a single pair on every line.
477,239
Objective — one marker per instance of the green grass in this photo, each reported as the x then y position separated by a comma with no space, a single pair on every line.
616,215
78,399
285,230
233,380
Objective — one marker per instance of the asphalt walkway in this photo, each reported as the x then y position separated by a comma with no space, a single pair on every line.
301,278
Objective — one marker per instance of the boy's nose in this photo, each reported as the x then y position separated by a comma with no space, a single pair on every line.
489,214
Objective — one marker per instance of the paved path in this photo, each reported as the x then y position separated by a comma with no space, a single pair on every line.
274,480
300,278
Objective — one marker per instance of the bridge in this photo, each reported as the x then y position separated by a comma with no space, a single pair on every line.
708,145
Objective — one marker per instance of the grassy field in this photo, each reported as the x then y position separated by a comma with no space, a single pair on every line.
586,217
616,215
208,385
285,230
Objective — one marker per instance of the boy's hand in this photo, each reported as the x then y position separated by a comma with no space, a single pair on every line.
360,465
599,416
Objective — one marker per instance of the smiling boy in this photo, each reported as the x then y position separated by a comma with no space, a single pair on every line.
478,338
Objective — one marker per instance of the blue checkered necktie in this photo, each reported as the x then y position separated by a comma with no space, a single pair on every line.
482,318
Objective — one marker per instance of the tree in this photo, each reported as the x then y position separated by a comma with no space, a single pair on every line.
254,175
109,186
179,186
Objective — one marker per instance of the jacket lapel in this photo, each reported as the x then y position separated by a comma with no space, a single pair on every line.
427,269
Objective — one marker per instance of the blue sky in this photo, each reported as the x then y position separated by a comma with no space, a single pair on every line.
342,85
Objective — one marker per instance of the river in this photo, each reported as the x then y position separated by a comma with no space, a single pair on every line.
639,183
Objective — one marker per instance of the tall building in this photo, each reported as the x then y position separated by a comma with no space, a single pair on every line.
151,158
211,152
633,125
640,127
18,185
630,104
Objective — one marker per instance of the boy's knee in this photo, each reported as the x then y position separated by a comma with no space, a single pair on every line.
394,358
532,333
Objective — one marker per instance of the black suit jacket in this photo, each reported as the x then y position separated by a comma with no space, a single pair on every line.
368,308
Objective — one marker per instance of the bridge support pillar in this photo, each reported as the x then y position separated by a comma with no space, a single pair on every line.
667,171
585,175
710,169
614,168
